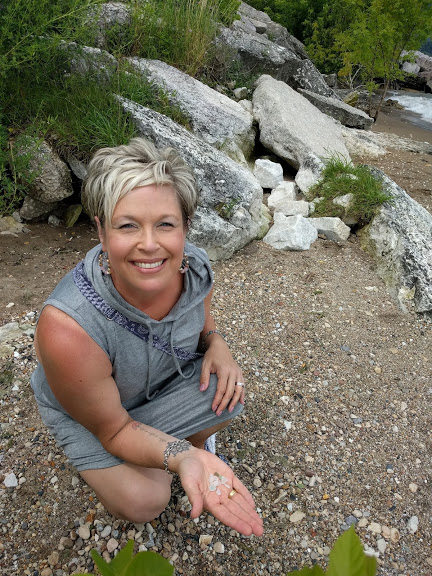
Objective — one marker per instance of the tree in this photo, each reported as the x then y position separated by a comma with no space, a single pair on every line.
379,36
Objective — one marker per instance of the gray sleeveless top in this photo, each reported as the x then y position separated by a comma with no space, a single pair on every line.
144,353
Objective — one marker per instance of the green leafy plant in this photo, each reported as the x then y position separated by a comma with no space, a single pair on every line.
347,558
126,564
341,177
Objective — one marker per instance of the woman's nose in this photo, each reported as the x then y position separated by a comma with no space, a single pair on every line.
148,240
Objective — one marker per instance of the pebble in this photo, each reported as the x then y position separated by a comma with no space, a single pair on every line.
413,487
205,540
219,548
394,535
257,482
297,517
10,480
84,532
381,545
112,545
413,524
106,531
375,527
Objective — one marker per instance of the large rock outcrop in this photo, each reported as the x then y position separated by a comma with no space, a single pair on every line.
256,54
399,238
291,127
49,178
229,214
214,117
345,114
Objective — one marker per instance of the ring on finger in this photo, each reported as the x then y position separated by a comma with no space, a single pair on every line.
232,493
241,384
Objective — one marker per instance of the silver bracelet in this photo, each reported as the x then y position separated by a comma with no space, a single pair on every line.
172,449
211,332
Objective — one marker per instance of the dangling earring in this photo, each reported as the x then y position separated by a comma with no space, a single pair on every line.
104,263
184,265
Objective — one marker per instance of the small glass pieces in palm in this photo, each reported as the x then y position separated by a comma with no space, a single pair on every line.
215,481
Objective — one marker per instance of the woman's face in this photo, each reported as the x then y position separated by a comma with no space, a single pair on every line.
145,242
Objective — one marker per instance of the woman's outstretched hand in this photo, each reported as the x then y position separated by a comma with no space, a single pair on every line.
208,483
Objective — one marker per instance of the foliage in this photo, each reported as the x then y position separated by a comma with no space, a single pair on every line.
126,564
346,559
379,34
364,39
178,32
340,178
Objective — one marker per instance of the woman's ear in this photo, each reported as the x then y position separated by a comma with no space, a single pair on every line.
100,230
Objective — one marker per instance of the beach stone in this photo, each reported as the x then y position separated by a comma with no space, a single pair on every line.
219,548
10,480
84,532
413,524
375,527
112,545
381,545
297,517
205,540
394,535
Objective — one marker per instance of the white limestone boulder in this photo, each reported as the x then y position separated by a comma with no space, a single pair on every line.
399,239
332,228
291,233
291,127
269,174
309,174
214,117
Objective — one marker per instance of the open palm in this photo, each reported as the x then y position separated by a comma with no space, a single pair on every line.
197,475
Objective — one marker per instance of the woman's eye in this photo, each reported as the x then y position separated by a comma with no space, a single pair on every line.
126,226
166,224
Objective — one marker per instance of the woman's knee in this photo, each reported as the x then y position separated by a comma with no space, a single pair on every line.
133,496
137,507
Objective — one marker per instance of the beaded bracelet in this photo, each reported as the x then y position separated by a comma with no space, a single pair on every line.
174,448
211,332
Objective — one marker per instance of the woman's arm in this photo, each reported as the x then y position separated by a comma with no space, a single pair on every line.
79,374
218,360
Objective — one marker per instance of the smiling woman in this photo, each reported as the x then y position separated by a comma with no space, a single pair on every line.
147,378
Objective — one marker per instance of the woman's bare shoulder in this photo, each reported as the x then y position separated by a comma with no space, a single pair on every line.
58,332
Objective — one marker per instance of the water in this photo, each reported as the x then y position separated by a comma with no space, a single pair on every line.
417,107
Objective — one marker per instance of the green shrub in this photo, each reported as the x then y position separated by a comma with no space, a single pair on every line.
341,177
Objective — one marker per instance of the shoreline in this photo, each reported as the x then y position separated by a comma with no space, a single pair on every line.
402,123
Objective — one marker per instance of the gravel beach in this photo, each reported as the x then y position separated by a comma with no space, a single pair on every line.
336,431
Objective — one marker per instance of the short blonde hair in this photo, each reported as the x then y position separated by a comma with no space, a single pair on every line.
114,172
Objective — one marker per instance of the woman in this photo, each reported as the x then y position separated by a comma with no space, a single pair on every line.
133,376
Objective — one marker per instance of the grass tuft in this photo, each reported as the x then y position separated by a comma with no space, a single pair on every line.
340,178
